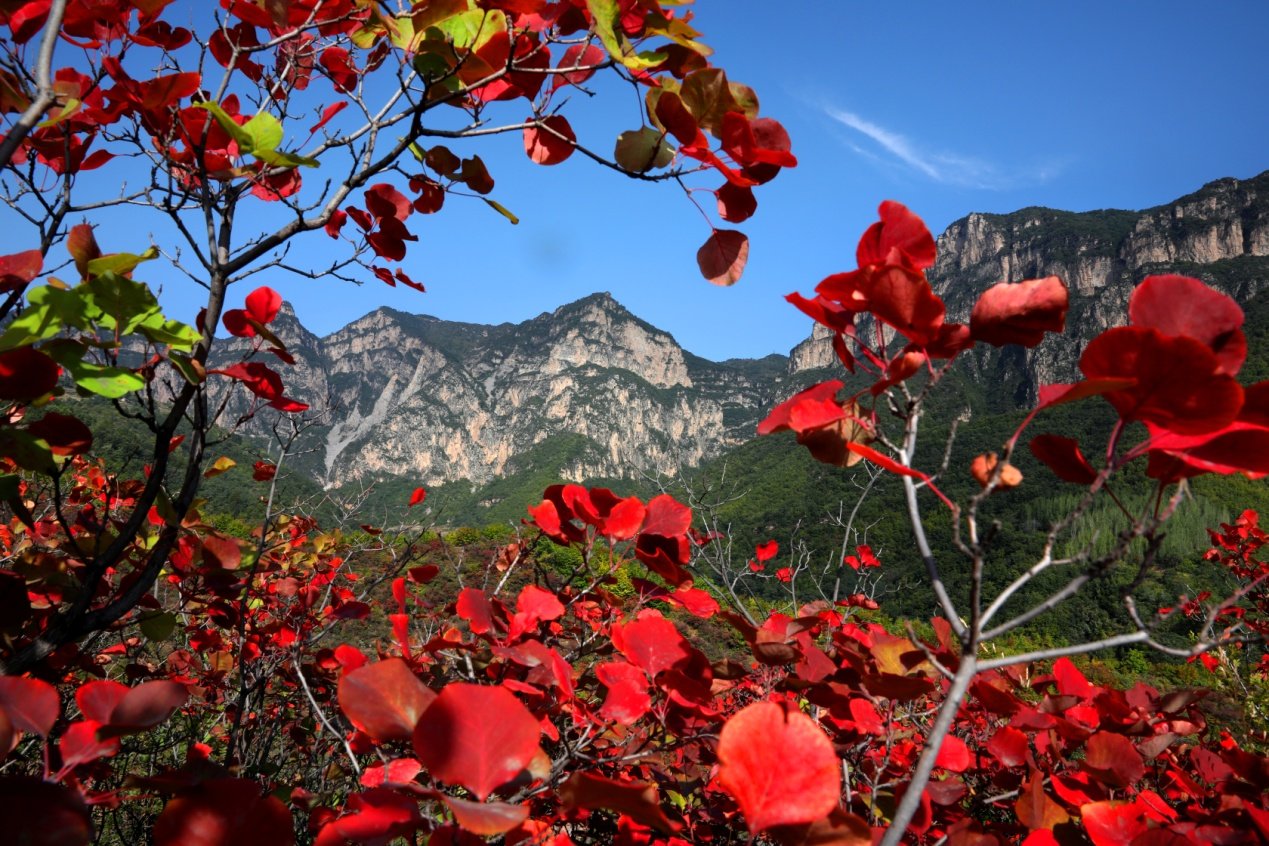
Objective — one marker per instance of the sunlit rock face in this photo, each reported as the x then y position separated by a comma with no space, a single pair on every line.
597,392
435,400
1219,234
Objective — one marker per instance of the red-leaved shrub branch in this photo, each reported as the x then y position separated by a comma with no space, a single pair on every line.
168,680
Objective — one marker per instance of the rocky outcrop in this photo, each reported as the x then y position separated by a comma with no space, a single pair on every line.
410,395
1219,233
593,391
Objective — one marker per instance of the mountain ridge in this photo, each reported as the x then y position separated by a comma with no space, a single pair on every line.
607,394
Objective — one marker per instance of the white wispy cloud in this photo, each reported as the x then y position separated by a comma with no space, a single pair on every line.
940,166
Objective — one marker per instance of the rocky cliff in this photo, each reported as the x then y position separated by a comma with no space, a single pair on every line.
1220,233
594,392
409,395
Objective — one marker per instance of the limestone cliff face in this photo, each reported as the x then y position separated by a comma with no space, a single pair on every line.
409,395
593,391
1219,233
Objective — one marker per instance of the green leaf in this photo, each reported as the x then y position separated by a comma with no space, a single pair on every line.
502,210
641,150
259,137
120,262
72,305
172,333
188,368
432,13
34,324
471,30
279,159
605,14
157,625
105,381
265,132
430,62
124,303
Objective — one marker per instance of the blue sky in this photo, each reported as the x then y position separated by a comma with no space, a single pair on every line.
949,108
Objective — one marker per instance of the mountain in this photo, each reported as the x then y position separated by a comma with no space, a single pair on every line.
437,401
590,391
1219,234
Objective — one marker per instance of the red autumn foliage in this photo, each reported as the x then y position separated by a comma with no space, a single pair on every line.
167,681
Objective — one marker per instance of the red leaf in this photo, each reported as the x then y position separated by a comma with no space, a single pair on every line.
222,811
635,799
26,374
1113,759
954,755
479,737
384,201
1070,681
40,813
628,698
904,299
736,204
586,56
885,462
667,517
396,771
778,765
536,604
653,643
1063,457
328,113
677,120
781,416
900,238
473,606
145,706
1009,746
722,257
337,63
762,141
1113,823
417,497
1020,313
695,601
766,551
336,222
1180,384
237,323
384,699
64,435
32,705
486,818
97,699
375,816
221,552
1035,809
18,269
82,743
543,143
264,471
1051,395
1179,305
624,520
82,246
